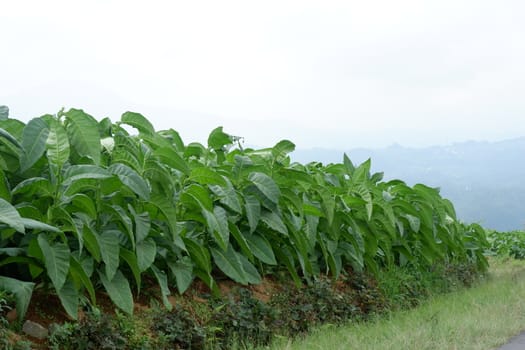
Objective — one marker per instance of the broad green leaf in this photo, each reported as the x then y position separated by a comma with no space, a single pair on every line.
91,242
56,260
146,252
274,222
84,171
183,272
171,158
199,255
85,204
6,135
33,186
130,258
228,196
241,240
281,149
79,274
251,273
266,185
206,176
414,222
218,139
132,179
198,196
109,250
38,225
22,292
57,142
82,130
229,262
365,194
119,291
261,248
218,225
350,168
328,204
34,140
253,211
162,279
174,138
10,216
142,224
69,296
137,121
167,208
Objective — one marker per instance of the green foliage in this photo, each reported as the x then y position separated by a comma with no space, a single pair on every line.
511,244
242,319
87,205
96,331
179,330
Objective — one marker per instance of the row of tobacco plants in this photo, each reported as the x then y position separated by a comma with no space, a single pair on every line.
91,206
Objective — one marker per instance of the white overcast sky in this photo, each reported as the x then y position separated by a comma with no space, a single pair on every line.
330,74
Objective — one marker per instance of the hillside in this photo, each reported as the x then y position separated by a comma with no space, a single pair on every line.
484,180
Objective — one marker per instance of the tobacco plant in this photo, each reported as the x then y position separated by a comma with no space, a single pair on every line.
89,205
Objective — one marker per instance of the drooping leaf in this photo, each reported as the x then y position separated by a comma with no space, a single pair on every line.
137,121
183,272
56,259
109,250
228,196
274,222
84,171
197,196
38,225
206,176
218,139
69,298
84,137
281,149
132,179
162,279
261,248
167,209
131,259
146,252
253,211
229,262
34,140
171,158
6,135
142,224
218,225
266,185
78,273
22,292
10,216
251,273
118,290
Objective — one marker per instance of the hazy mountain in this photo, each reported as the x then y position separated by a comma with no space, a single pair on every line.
484,180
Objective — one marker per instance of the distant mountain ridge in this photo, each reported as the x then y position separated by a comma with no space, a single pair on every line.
484,180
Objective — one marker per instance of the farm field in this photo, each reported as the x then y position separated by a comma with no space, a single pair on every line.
207,245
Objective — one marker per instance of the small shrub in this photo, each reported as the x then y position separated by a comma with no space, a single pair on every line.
179,330
300,309
95,331
243,319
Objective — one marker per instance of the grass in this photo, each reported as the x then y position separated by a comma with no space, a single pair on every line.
483,317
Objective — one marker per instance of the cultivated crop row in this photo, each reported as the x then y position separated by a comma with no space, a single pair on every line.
88,205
